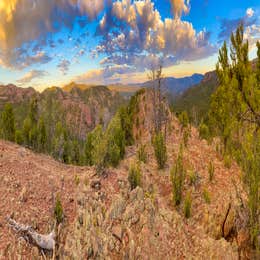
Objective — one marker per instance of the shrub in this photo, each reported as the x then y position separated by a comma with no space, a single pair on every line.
58,210
177,179
204,131
160,150
186,135
134,176
211,170
142,154
7,123
206,196
227,161
193,177
187,206
19,137
77,180
184,119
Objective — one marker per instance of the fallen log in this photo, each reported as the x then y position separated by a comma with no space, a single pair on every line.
45,242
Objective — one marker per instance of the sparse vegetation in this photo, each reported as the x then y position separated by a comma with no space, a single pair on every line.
211,171
187,205
134,176
177,179
186,136
206,196
204,131
8,123
160,149
142,154
58,210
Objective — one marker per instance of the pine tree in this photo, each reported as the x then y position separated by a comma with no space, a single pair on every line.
42,136
89,149
7,122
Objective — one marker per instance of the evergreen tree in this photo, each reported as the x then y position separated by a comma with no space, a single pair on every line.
7,122
160,149
26,131
89,149
75,157
42,136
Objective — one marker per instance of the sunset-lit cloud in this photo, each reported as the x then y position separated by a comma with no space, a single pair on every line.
110,41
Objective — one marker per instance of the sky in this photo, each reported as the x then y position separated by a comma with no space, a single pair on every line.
54,42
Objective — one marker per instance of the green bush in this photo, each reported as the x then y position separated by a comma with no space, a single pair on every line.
142,154
206,196
134,176
193,177
19,137
7,123
211,171
184,119
58,210
160,150
227,161
177,179
204,131
186,135
187,206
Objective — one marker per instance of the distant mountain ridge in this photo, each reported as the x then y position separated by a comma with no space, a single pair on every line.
79,109
176,86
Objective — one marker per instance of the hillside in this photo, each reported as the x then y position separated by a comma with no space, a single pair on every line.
79,109
105,219
196,99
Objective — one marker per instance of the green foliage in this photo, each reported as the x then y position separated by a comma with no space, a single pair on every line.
211,171
75,152
134,176
115,136
42,135
234,115
204,131
89,149
251,167
227,161
186,135
19,137
160,149
177,178
184,119
26,131
58,210
141,153
206,196
7,123
187,206
193,177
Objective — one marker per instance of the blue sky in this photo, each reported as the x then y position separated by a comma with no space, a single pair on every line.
47,43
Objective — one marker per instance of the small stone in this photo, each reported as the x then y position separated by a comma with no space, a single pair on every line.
96,185
117,232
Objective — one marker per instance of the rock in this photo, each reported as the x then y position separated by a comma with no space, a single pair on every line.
23,195
136,194
117,232
95,184
117,208
229,222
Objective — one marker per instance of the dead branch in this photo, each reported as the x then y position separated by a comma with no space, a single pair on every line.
45,242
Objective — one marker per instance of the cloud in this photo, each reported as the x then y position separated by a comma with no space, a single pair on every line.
179,7
64,66
227,26
137,30
250,12
20,58
33,74
24,21
107,75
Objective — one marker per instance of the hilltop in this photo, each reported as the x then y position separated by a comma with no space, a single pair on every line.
104,218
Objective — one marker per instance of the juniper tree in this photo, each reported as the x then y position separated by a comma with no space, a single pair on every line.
7,123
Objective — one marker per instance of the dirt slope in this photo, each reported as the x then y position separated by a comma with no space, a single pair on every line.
114,222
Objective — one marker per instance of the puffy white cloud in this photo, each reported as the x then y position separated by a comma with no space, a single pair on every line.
137,30
28,77
179,7
250,12
22,21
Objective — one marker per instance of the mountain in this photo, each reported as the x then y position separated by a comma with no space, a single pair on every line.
175,86
104,218
196,99
79,109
